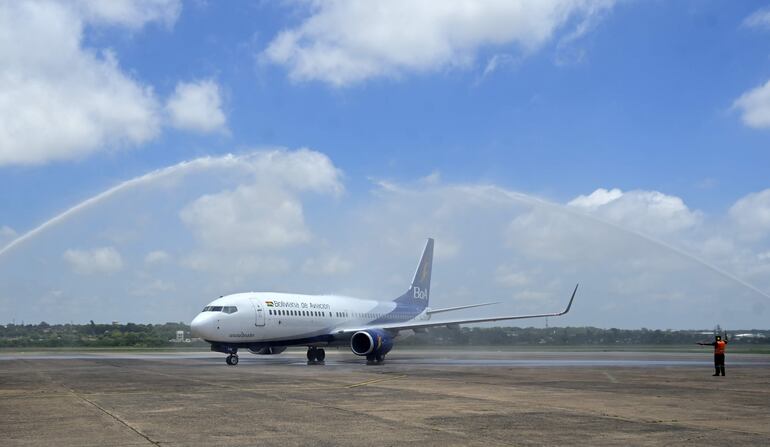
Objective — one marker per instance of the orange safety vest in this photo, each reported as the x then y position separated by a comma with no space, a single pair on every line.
719,347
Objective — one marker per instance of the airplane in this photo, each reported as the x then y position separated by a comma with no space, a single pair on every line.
266,323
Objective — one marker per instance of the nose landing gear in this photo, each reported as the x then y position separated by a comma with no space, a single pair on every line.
232,359
315,356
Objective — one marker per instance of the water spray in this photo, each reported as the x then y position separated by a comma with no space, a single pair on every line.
232,160
198,163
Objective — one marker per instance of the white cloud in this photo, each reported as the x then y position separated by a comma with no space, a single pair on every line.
755,106
649,212
98,260
197,106
60,100
759,19
344,42
130,13
247,218
157,257
266,212
329,265
596,199
752,215
498,61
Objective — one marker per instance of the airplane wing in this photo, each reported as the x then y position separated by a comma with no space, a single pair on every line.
450,309
435,323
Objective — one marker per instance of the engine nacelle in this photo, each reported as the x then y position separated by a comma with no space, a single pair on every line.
267,350
371,342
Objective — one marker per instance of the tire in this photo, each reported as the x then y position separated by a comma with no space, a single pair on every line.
234,360
311,354
320,355
228,360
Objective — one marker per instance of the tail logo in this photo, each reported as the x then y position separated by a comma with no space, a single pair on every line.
420,294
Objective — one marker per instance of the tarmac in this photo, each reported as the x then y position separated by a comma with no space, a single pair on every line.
418,397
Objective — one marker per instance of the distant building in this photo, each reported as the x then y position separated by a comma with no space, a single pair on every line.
180,338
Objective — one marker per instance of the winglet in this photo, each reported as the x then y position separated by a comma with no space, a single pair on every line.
570,300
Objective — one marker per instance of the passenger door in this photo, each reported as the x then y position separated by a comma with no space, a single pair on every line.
259,313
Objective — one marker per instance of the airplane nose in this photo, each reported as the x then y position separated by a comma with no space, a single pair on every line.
198,326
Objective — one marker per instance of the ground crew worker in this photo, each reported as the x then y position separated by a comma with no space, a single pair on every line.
719,353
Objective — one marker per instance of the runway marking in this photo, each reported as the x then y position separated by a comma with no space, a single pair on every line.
369,382
609,376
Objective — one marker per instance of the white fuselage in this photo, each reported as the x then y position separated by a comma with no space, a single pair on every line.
282,318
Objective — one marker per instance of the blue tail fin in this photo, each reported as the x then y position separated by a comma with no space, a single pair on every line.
418,294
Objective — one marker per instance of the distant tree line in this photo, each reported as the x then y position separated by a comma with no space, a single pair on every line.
564,336
91,335
161,335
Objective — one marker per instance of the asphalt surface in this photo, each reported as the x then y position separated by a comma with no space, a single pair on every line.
426,398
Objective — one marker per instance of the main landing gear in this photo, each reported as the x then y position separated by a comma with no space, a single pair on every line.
315,356
375,359
232,359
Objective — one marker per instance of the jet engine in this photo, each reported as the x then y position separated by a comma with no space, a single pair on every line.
267,350
371,343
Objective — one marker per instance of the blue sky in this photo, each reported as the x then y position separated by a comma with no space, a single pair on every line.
554,99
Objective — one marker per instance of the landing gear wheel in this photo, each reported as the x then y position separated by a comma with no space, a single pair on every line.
315,356
375,359
232,360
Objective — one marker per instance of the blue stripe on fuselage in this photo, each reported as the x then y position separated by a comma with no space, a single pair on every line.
407,311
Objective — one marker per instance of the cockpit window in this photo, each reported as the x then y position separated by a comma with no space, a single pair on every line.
220,309
229,309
